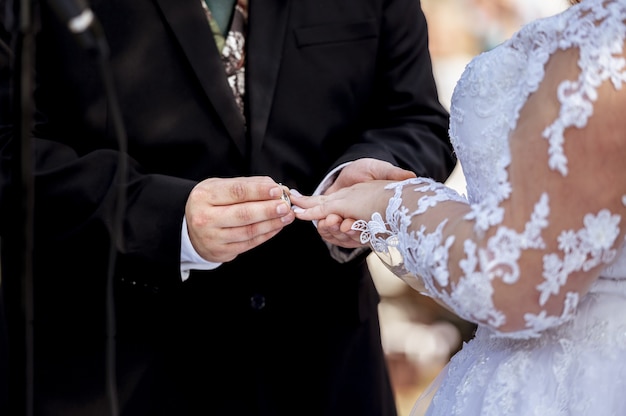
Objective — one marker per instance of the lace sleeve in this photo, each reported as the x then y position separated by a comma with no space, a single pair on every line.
544,212
511,281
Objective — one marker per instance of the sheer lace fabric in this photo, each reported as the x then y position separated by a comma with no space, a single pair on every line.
576,369
534,252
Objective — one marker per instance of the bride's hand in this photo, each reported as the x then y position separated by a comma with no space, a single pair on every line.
336,212
334,224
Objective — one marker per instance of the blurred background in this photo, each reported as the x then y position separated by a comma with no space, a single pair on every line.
419,336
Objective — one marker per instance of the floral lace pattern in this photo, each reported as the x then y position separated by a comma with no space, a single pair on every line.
561,350
558,374
485,109
426,255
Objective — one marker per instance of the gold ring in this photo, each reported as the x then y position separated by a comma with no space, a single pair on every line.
285,195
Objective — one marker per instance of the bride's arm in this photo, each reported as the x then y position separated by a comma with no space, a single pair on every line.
519,265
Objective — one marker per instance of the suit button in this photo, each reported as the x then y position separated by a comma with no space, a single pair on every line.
257,302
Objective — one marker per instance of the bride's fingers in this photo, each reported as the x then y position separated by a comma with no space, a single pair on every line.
320,206
305,201
309,214
303,204
333,230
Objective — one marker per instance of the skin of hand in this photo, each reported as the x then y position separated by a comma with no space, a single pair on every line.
334,214
229,216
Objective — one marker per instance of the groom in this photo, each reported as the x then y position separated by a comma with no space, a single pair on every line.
224,304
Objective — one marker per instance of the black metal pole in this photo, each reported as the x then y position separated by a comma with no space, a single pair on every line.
23,391
16,287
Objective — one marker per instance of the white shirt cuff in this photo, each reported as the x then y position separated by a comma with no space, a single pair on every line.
189,258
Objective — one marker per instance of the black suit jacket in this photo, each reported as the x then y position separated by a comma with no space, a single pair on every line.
284,328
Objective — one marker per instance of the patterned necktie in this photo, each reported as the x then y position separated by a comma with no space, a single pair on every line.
232,48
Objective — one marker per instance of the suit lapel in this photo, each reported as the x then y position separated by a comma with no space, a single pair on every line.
266,35
194,34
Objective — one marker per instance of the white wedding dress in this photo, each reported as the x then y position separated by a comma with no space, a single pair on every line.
526,110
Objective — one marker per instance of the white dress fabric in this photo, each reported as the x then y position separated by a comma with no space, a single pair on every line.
565,352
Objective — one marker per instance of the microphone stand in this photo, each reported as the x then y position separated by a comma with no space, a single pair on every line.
24,116
91,37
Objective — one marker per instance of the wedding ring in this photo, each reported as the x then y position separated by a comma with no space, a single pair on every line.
285,195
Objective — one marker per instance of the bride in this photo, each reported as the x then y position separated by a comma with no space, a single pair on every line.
534,253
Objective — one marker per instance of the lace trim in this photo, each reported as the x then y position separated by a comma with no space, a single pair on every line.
426,256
